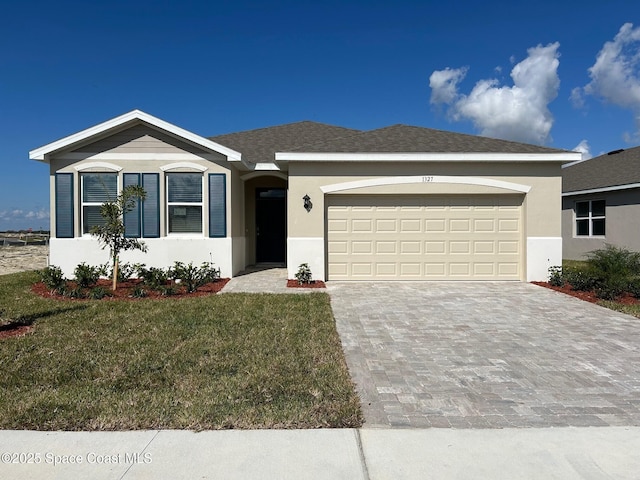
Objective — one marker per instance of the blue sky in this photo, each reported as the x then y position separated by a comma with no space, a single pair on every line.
558,73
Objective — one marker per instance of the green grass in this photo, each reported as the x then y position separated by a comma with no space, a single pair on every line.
621,307
574,263
224,361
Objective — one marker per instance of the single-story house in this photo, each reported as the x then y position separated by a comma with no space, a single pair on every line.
601,203
395,203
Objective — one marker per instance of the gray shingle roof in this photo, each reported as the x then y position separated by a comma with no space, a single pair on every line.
409,139
260,145
609,170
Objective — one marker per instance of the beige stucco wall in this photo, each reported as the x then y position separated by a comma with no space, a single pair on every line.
542,206
622,223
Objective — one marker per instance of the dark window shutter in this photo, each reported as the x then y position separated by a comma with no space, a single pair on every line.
132,218
217,205
64,205
151,205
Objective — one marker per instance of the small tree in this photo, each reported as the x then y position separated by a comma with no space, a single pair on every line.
111,234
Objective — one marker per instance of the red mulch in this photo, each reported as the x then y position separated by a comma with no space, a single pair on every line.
125,289
14,330
313,284
588,296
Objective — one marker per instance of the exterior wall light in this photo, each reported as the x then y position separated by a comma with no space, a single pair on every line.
307,203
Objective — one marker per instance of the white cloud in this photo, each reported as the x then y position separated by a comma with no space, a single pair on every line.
18,214
584,149
517,112
444,84
615,76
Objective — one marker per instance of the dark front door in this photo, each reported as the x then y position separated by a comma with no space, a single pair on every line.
271,225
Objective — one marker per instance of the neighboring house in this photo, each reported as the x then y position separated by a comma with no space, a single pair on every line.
396,203
601,203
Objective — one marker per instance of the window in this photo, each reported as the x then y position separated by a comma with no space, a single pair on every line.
590,218
97,188
184,202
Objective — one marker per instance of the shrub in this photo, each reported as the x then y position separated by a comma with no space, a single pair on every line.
634,287
194,277
139,292
581,279
613,261
53,279
304,274
98,293
75,292
87,276
153,277
555,276
125,271
611,287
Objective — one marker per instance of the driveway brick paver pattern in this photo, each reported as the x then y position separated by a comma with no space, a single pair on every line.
486,355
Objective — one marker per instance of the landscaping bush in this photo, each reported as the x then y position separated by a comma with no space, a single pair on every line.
53,278
139,292
614,261
98,293
612,286
125,271
153,277
608,272
304,274
634,287
580,278
193,277
87,276
73,292
556,278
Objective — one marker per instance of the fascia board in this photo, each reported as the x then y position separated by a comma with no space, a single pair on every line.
601,189
135,115
427,157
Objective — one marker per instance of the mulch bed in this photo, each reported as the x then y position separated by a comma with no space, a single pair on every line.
14,330
313,284
125,290
588,296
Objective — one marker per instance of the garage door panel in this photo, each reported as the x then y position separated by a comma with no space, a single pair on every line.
335,247
435,225
413,237
362,247
435,247
386,225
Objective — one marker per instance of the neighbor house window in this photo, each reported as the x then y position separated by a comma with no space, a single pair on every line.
184,202
590,218
97,188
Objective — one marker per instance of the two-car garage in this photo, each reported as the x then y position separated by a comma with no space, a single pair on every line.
425,237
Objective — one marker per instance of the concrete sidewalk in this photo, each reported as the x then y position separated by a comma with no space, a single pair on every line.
553,453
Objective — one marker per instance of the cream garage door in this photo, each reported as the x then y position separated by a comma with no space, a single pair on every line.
403,237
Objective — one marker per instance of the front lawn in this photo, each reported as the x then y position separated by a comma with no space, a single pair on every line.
222,361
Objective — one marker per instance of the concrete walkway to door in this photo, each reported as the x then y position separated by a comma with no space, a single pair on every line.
486,355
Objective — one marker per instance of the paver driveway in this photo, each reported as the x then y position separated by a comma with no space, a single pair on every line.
487,355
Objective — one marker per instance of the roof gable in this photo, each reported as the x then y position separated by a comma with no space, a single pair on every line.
614,169
130,119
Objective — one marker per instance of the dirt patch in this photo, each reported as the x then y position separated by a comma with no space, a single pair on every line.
130,289
313,284
14,259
